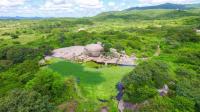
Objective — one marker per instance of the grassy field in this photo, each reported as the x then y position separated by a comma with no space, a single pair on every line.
94,83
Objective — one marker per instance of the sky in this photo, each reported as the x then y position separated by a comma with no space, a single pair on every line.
73,8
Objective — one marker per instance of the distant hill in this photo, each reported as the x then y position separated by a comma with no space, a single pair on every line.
17,18
161,6
149,14
193,5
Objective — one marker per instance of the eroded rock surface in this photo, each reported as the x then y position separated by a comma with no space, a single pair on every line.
94,52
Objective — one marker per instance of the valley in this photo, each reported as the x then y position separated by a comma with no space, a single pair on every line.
165,44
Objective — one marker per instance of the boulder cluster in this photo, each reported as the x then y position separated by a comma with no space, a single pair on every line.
94,52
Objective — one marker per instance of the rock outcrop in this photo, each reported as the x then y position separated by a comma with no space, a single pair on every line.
94,52
198,31
164,91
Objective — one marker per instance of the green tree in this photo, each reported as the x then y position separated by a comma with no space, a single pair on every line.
141,94
107,47
183,104
181,35
14,35
47,82
166,104
158,104
17,75
25,71
143,81
25,101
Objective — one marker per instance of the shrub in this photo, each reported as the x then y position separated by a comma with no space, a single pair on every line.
181,35
165,104
47,82
25,71
92,64
189,57
5,64
140,94
14,36
146,77
189,89
119,47
183,72
183,104
107,47
6,34
158,104
25,101
18,54
16,42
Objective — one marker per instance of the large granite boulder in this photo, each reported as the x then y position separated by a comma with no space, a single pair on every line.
68,52
94,50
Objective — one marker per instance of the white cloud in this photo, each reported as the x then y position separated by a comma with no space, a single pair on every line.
123,4
111,3
165,1
58,1
89,3
73,7
11,3
56,5
70,4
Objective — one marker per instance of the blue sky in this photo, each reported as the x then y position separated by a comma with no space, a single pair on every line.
73,8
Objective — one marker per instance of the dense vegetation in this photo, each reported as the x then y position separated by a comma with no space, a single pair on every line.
170,34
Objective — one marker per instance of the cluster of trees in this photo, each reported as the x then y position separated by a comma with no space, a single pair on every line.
111,38
178,68
166,104
12,35
47,82
142,85
25,87
144,80
182,76
25,101
47,25
143,15
181,35
17,76
17,54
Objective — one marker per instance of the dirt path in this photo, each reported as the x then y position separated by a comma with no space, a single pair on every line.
121,106
157,53
104,109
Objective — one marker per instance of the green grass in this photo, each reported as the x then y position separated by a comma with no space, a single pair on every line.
95,83
24,39
5,37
